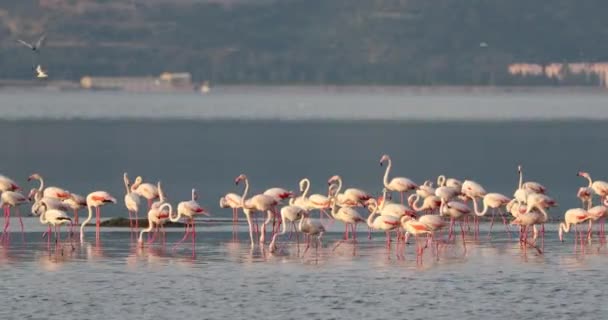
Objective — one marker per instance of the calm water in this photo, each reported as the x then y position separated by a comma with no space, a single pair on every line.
195,141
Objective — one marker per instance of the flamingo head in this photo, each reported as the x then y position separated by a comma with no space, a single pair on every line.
109,199
302,183
331,190
333,179
34,176
411,213
428,183
583,174
194,194
519,168
385,157
240,178
125,178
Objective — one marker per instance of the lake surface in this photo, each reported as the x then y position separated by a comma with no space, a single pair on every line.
85,141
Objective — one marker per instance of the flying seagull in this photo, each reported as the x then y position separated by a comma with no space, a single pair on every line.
35,47
41,73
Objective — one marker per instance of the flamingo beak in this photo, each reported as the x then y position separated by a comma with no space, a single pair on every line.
16,187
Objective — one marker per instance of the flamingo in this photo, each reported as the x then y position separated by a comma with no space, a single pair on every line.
348,216
416,228
314,201
260,202
456,211
132,202
599,187
573,217
527,188
386,223
279,194
397,184
156,218
189,209
49,192
49,203
95,199
446,193
231,200
450,182
290,213
352,196
597,213
7,184
311,228
532,218
429,203
585,194
426,189
55,218
539,200
494,201
75,202
146,190
10,199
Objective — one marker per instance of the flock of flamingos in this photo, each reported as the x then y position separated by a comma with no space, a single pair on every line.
425,212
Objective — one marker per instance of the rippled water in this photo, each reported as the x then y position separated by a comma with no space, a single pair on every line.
178,139
229,279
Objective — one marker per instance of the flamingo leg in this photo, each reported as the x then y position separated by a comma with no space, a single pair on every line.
20,223
76,216
250,223
193,232
401,196
97,222
464,243
186,230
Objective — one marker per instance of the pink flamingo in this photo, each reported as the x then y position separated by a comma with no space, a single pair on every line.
352,196
397,184
279,194
494,201
132,202
260,202
386,223
348,216
7,184
290,213
156,219
599,187
573,217
597,213
49,192
95,199
76,202
416,228
311,228
146,190
429,204
456,211
231,200
426,189
314,201
11,199
56,218
189,209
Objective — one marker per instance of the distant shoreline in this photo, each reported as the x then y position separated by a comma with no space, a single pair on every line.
71,86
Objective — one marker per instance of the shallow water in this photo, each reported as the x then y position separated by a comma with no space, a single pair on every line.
229,279
178,139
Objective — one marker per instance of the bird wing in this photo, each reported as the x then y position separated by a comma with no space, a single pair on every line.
25,43
41,41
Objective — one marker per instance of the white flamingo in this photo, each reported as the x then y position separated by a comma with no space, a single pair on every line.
397,184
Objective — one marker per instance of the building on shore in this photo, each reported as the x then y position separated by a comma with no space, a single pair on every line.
166,82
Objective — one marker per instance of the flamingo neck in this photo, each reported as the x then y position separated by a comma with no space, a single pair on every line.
370,218
339,186
193,195
41,187
127,186
414,204
388,169
244,196
476,208
168,205
141,233
84,223
441,181
301,223
588,177
307,182
521,179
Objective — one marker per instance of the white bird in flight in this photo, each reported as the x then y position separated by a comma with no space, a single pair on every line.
41,73
35,47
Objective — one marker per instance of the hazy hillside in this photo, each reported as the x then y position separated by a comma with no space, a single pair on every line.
296,41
